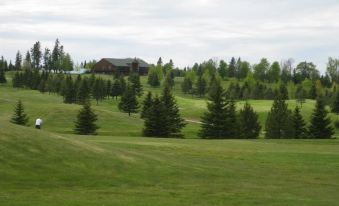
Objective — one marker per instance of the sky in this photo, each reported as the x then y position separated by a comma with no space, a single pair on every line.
186,31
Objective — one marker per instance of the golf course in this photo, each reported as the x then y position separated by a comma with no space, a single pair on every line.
53,166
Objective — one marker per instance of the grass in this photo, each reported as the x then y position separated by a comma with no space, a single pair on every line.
118,167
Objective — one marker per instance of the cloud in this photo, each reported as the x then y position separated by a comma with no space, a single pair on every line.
187,31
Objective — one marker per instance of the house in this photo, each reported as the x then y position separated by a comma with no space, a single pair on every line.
121,66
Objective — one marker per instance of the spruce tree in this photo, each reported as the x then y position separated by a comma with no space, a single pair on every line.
129,102
108,88
18,61
313,91
153,79
299,124
19,116
187,85
155,125
134,78
68,90
279,120
83,94
283,92
146,106
2,76
214,121
232,121
249,124
116,89
169,80
201,86
321,125
175,122
98,89
85,123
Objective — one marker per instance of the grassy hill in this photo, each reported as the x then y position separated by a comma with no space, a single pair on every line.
44,168
118,167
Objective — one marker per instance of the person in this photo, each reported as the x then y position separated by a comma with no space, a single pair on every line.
38,123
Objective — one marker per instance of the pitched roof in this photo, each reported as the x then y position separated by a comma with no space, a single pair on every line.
126,62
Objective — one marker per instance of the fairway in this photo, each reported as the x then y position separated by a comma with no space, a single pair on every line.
119,167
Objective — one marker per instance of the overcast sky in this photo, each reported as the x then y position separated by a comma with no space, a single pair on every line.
187,31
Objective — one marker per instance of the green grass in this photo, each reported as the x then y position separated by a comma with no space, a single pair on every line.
119,167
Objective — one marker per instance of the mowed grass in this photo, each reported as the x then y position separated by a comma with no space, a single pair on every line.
119,167
44,168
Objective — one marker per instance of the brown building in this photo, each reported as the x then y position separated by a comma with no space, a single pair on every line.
121,66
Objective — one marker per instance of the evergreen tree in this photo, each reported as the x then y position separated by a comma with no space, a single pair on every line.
129,102
85,123
19,116
47,60
187,85
18,61
175,122
69,92
98,90
2,76
335,105
83,94
279,120
299,124
56,56
232,127
153,78
117,89
321,126
232,68
155,125
108,88
283,92
215,121
27,64
313,91
249,124
169,80
222,69
201,86
36,55
147,105
134,79
17,80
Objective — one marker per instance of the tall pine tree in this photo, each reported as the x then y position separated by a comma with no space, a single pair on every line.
249,124
215,121
175,122
279,120
321,125
147,105
129,101
2,76
155,125
299,124
83,93
134,78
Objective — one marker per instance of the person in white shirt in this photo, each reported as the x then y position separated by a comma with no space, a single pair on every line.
38,123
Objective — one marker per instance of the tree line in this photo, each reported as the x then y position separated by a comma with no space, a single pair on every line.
258,81
55,59
222,121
